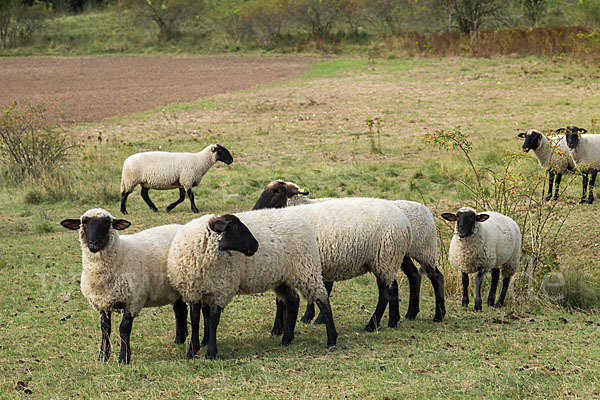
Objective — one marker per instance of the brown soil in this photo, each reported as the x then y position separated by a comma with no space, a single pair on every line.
89,89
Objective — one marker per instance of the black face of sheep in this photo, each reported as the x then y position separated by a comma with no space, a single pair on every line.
235,235
276,195
465,221
573,135
532,141
223,154
96,230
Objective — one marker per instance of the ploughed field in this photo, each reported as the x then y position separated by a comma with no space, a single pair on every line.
93,88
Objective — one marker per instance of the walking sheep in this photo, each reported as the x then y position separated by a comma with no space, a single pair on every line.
423,248
212,259
162,171
585,151
127,272
552,155
484,242
355,236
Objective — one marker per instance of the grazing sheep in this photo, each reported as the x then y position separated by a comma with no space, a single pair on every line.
161,170
484,242
207,266
423,248
552,155
126,272
585,150
355,236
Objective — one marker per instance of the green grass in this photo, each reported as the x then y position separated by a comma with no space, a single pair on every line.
312,130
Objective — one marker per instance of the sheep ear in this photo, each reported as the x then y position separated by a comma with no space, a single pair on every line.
120,224
482,217
522,135
72,224
581,130
218,225
449,217
560,130
213,149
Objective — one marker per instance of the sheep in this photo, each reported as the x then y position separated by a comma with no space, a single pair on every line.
162,170
585,151
127,272
423,248
355,236
480,246
552,155
207,266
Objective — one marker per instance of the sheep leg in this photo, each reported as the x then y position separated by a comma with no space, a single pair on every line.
478,280
465,285
325,309
125,333
181,198
584,183
394,303
492,294
292,304
146,198
309,313
414,284
191,197
105,328
550,181
382,302
279,318
180,311
329,288
437,281
205,315
505,283
556,185
590,199
213,323
195,321
124,202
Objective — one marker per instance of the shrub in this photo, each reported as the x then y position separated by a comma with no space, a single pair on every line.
32,143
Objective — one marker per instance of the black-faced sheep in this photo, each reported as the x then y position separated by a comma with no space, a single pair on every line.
585,151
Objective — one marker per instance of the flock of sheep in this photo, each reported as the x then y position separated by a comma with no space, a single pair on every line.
290,243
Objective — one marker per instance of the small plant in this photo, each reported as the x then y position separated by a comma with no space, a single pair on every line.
375,145
32,143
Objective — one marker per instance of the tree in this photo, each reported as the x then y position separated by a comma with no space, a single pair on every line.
169,15
470,15
534,10
319,15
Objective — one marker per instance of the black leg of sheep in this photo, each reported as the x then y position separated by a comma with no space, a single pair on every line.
146,198
194,340
180,311
325,309
550,181
584,184
556,185
385,293
124,202
191,196
125,333
437,281
414,284
492,295
478,280
205,315
180,200
505,283
320,320
292,304
590,199
105,328
465,285
394,313
279,317
213,323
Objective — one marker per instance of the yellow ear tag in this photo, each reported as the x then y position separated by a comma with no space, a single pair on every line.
581,131
213,149
300,194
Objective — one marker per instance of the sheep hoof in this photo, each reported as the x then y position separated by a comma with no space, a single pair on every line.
582,201
370,327
179,340
477,307
393,324
320,320
548,197
210,355
287,341
465,302
276,331
306,319
411,315
590,200
499,305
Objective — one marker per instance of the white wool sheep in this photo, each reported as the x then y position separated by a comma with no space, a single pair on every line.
207,267
585,150
423,248
127,272
552,155
162,170
355,236
484,242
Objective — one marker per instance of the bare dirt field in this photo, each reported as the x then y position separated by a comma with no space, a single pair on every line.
93,88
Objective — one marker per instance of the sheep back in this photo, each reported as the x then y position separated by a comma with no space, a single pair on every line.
587,153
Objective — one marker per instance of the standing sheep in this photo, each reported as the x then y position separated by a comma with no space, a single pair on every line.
207,266
484,242
585,151
355,236
162,171
552,155
126,273
423,248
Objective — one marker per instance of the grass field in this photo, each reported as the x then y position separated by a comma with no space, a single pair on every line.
312,130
